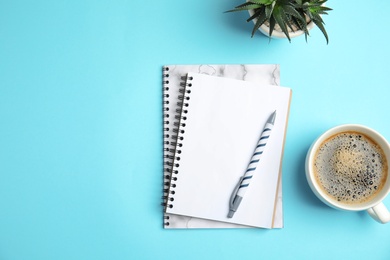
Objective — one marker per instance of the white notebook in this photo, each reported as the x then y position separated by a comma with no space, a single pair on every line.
261,74
220,124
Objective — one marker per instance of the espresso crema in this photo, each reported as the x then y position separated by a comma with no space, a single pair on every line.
350,167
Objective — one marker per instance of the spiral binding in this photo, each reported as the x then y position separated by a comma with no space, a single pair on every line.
168,151
181,117
173,137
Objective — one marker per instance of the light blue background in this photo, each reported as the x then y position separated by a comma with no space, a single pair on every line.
81,126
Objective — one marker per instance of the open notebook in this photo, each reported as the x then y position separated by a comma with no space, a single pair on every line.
219,127
268,74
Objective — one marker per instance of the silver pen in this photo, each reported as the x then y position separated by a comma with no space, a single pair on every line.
240,189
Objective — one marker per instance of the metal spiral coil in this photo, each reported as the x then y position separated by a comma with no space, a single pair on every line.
173,138
181,118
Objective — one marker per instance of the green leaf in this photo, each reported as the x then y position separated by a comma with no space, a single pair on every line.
301,25
272,23
268,11
293,12
324,9
260,20
281,19
322,28
317,17
243,7
263,2
258,12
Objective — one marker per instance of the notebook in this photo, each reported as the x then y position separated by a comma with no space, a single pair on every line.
219,127
259,73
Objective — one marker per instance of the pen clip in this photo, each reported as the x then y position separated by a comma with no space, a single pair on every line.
234,193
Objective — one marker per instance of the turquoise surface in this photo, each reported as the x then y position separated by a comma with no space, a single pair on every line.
81,126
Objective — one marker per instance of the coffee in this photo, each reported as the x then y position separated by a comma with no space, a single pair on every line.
350,167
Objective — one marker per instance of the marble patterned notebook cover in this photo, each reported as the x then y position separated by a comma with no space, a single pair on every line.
172,83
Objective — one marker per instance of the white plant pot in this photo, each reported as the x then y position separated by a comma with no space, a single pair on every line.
278,34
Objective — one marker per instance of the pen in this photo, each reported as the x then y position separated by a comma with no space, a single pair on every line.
243,183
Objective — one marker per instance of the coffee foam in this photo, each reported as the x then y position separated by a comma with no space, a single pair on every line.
350,167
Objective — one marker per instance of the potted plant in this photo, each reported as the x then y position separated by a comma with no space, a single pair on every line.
285,18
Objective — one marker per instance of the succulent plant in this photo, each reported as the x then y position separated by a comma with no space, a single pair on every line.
289,15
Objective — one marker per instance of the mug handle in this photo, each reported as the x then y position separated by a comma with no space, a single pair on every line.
380,213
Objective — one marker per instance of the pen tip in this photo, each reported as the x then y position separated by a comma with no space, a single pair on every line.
231,213
272,117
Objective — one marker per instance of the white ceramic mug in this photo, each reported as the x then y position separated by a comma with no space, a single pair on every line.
374,206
